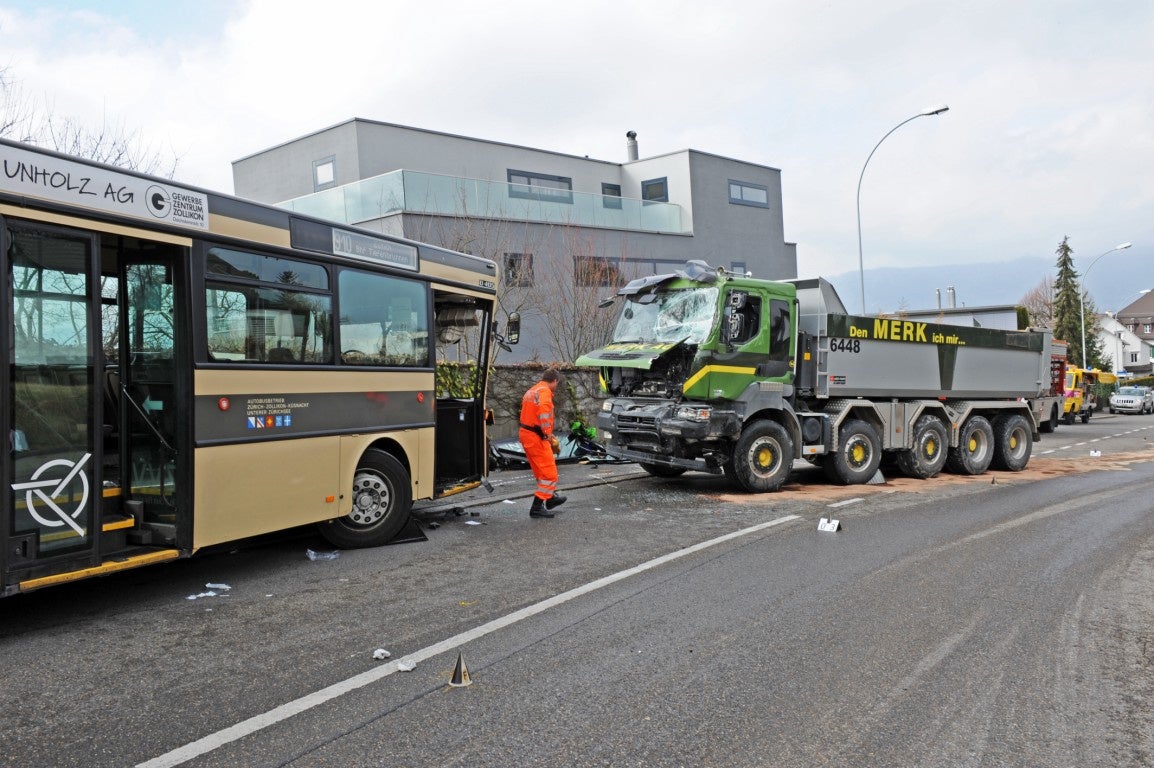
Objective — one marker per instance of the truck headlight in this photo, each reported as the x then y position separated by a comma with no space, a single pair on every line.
607,405
694,413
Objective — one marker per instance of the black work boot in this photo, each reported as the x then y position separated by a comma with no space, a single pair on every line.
555,500
538,509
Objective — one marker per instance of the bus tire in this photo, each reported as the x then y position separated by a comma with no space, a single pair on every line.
663,470
975,449
382,502
762,457
858,455
928,454
1013,443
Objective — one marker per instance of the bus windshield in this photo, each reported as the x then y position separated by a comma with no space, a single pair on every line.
668,316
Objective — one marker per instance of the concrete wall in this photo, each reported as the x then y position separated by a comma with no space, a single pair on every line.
579,396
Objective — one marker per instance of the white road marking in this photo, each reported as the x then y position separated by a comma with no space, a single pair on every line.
287,710
844,503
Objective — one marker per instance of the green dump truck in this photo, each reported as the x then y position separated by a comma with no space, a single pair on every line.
717,372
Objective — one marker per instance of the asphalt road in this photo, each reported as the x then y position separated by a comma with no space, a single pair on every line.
1001,620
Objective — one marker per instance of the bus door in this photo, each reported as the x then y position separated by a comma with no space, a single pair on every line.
52,401
463,327
151,386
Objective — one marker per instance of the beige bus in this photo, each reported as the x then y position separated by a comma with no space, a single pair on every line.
187,368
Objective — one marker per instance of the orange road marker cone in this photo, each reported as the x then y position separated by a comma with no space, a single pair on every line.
460,677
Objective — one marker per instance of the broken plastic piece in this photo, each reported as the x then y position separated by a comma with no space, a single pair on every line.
405,666
199,595
1095,453
380,654
314,555
508,501
222,587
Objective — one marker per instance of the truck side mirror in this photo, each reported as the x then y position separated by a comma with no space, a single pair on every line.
513,328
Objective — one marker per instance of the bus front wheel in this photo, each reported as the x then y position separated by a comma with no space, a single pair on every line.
382,501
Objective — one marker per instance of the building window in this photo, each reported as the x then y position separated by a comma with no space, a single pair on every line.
519,269
324,173
1146,328
611,195
655,190
590,271
1133,357
745,193
539,186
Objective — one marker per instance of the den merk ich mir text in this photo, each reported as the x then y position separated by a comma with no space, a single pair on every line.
903,330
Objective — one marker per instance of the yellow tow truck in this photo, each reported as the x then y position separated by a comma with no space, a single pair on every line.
1082,392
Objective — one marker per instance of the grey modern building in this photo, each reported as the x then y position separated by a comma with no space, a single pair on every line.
560,226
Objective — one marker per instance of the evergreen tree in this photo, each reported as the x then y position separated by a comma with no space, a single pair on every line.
1068,316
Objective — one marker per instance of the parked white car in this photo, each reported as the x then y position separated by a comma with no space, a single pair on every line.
1132,400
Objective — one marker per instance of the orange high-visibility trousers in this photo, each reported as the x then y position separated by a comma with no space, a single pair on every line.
541,461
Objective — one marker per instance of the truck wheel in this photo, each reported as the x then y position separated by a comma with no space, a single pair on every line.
1050,424
928,455
1086,416
975,448
762,457
1012,443
859,452
663,470
1068,418
382,501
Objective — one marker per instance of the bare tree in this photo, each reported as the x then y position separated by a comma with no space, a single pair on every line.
23,120
1039,304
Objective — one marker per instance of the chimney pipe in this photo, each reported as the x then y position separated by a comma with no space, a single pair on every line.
938,291
953,297
631,144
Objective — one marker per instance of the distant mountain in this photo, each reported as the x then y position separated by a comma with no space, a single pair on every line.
889,289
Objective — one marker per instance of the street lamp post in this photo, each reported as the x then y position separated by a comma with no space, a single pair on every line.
860,264
1082,296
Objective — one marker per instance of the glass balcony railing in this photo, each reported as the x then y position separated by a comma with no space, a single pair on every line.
414,192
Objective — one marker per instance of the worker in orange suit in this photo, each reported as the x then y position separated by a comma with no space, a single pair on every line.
540,443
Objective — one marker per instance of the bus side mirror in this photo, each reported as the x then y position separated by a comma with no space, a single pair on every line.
513,328
606,302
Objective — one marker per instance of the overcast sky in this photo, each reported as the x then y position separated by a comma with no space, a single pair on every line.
1050,130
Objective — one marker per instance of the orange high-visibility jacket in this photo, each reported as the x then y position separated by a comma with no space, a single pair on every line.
537,408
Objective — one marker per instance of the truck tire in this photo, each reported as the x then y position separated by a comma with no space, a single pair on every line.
1012,443
663,470
928,454
1050,424
762,457
859,452
382,502
975,448
1086,416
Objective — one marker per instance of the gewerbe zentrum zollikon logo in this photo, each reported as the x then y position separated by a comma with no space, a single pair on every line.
159,202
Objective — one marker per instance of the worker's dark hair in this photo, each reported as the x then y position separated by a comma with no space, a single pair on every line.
551,374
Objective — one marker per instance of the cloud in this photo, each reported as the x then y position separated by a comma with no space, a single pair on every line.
1048,133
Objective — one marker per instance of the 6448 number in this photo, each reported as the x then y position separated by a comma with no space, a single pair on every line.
845,345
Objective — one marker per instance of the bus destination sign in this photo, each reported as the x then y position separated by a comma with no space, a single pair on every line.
369,248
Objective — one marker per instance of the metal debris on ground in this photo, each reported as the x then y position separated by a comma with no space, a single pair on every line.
314,555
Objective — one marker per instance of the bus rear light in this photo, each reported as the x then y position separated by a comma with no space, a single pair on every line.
420,397
330,499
